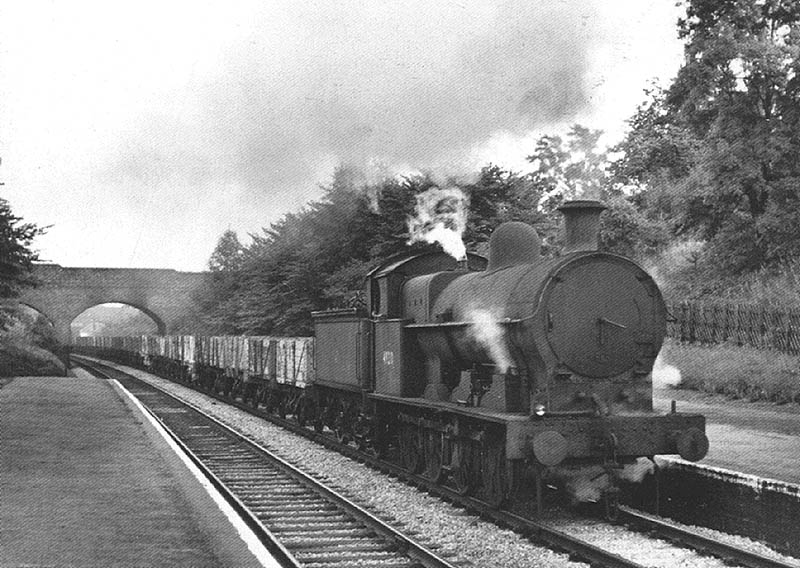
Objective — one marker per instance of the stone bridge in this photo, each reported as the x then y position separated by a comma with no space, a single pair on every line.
63,293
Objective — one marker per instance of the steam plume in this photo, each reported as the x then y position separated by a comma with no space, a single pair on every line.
441,217
586,485
665,374
486,330
636,471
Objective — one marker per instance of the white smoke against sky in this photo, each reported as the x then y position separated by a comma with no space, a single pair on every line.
440,216
486,330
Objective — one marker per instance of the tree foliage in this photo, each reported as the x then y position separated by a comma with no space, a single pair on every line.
228,254
718,150
713,160
16,256
579,166
317,258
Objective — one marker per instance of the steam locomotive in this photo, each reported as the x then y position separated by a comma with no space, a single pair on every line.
488,375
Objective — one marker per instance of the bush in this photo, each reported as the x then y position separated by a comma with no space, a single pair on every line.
18,359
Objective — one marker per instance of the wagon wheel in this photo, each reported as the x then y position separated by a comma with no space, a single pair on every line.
433,458
255,398
364,436
410,455
342,429
461,476
367,445
462,480
379,439
494,479
329,418
610,499
342,436
301,412
281,409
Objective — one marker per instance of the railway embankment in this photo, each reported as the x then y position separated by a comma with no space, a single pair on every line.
20,358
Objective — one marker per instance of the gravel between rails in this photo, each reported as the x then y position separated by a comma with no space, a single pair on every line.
448,529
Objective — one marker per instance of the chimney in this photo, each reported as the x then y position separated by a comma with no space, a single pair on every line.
582,224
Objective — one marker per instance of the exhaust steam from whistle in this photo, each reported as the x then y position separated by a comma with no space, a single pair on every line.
441,217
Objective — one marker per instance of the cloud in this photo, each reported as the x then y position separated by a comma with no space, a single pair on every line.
349,82
131,126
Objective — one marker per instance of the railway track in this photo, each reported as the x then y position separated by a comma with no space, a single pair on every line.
301,521
537,531
679,535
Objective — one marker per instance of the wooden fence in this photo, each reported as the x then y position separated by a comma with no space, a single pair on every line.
756,326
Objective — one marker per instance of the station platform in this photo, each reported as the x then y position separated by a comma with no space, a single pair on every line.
755,438
87,480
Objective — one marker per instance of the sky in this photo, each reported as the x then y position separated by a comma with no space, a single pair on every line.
140,132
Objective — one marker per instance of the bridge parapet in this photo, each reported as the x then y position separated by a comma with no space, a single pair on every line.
166,295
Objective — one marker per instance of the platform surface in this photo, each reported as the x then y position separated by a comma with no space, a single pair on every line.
85,480
754,438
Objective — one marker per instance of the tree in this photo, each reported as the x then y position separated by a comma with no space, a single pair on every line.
579,167
725,136
228,254
498,196
16,257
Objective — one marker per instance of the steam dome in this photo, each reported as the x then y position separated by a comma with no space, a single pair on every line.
513,243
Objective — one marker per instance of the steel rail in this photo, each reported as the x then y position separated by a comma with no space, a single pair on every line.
534,530
403,544
682,536
264,535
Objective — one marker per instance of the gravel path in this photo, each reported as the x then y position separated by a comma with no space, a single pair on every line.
470,540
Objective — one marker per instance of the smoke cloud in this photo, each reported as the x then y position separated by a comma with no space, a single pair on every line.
440,216
486,330
227,115
313,85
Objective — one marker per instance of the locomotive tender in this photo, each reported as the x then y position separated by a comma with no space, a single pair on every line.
489,376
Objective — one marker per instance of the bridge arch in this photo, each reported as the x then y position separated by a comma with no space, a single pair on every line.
32,308
161,327
166,296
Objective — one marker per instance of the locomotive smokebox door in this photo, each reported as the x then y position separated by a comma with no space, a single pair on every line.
602,318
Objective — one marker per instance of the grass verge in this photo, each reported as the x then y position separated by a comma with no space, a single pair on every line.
737,372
